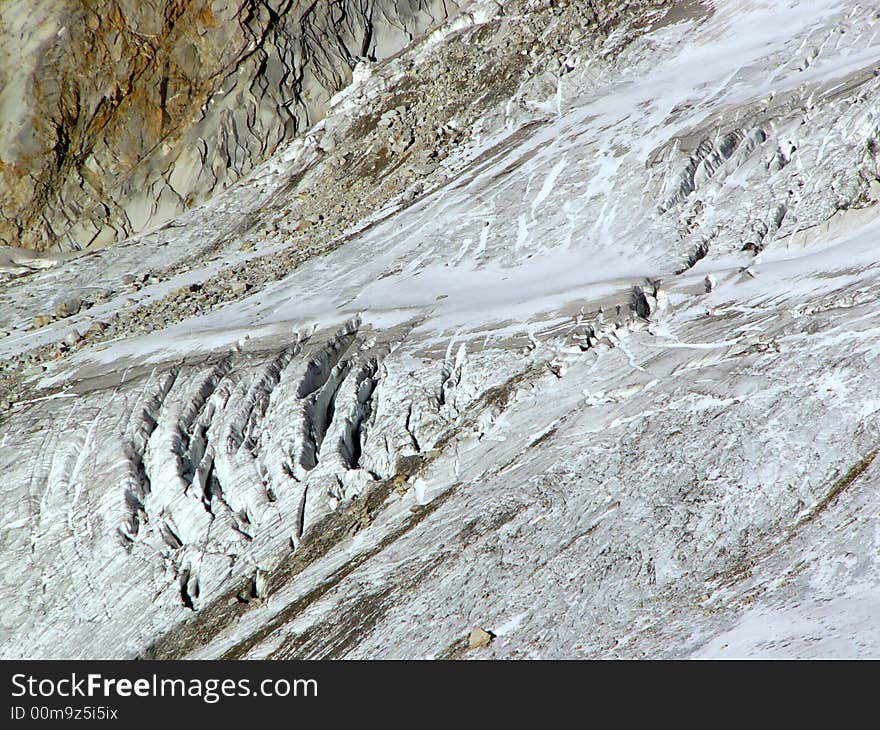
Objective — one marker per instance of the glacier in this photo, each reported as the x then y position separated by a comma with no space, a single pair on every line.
562,323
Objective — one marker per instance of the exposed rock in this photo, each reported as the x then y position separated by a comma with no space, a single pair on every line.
68,307
119,119
72,338
41,320
480,638
238,288
95,328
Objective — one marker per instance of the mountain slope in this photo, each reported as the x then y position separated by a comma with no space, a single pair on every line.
562,323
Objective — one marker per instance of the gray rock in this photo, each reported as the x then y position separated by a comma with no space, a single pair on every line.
68,307
72,338
238,288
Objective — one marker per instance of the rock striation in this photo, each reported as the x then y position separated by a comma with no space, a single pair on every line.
123,114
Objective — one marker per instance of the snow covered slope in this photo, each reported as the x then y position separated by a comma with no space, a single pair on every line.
563,324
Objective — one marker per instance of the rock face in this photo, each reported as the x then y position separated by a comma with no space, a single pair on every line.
479,638
123,114
562,322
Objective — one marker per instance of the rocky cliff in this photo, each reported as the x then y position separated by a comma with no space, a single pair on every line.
120,115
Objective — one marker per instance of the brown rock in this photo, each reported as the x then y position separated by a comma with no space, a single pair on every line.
95,328
480,638
41,320
68,307
151,65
